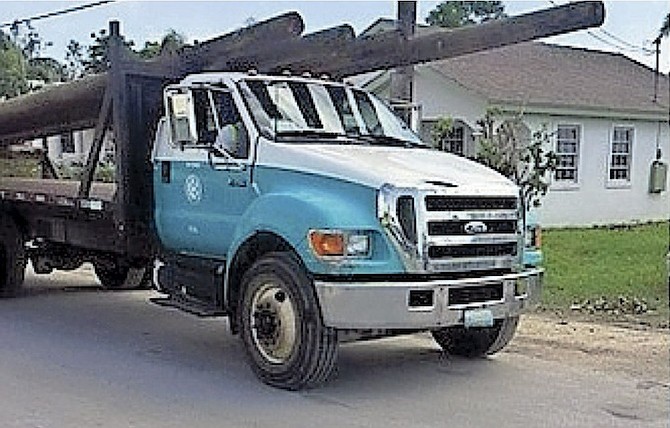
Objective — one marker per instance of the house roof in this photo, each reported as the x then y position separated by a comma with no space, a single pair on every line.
548,75
540,74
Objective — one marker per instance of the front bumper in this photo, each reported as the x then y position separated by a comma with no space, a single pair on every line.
388,305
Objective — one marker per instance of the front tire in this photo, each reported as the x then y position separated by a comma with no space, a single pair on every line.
12,258
476,342
286,343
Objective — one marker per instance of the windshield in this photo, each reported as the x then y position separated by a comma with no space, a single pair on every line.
287,109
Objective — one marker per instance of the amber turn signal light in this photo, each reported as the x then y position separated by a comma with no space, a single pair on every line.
327,243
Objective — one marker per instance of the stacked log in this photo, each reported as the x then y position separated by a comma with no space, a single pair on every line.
278,44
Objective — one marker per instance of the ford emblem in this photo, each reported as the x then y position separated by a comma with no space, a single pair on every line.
475,227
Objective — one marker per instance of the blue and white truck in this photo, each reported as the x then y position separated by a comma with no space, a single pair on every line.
307,213
299,208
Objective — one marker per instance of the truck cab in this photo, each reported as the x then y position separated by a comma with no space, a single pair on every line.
307,212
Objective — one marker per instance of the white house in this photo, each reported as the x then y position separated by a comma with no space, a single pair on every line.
607,120
72,148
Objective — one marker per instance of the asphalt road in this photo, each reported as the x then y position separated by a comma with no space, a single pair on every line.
74,356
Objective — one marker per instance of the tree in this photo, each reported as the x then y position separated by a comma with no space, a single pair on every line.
74,60
507,146
442,130
28,39
97,60
13,67
171,42
453,14
665,27
47,70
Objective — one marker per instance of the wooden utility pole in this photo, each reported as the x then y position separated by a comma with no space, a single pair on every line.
402,77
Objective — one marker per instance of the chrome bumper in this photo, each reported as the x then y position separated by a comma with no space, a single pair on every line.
386,305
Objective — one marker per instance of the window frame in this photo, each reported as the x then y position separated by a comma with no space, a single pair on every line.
456,138
620,182
568,183
459,125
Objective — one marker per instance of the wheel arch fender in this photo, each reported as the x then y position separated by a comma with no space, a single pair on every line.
246,253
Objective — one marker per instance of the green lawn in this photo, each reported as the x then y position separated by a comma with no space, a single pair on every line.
592,263
19,168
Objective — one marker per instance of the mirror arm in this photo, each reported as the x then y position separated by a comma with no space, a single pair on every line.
229,160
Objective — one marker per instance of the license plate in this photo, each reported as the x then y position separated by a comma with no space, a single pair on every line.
478,318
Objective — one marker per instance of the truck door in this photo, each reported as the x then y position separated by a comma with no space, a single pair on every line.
203,175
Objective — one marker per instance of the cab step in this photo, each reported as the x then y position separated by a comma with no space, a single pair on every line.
191,306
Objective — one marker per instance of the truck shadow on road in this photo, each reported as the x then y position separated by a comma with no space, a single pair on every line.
128,328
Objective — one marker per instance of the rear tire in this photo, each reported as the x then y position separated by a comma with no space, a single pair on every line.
12,258
286,343
476,342
120,276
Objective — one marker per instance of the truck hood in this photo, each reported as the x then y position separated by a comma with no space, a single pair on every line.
374,166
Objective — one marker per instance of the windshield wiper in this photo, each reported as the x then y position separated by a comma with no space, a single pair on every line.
308,133
385,140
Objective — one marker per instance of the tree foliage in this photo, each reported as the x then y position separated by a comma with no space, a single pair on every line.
507,146
665,27
453,14
28,39
97,58
47,70
74,60
21,61
171,43
13,67
97,53
442,130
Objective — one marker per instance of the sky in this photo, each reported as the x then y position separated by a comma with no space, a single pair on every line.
629,28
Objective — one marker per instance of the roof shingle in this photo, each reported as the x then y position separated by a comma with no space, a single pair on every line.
540,74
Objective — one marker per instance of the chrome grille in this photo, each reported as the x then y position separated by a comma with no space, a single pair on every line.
438,233
457,227
460,203
477,250
470,232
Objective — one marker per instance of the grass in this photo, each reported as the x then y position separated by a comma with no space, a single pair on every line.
30,168
19,168
606,262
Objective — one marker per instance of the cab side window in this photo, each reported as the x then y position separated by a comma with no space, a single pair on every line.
218,122
204,119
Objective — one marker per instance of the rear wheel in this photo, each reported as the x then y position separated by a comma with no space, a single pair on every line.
285,340
118,275
12,258
476,342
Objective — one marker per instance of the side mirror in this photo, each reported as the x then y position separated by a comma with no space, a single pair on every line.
182,118
232,139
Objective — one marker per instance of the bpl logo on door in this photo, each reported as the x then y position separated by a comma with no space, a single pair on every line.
193,189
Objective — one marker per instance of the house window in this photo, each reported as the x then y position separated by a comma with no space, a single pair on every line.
567,153
453,142
620,153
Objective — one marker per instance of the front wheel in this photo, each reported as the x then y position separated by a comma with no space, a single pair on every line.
286,342
476,342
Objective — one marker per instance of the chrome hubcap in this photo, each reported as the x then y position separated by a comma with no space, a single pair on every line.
273,323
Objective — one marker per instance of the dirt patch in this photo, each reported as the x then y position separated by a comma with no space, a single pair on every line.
633,349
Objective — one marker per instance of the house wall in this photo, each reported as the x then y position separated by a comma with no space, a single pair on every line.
595,199
440,97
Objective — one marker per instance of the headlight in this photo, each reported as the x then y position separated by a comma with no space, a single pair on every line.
337,243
